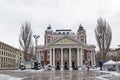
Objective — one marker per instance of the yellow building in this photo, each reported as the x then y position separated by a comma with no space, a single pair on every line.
10,57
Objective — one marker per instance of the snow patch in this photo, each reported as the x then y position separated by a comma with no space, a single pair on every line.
30,70
57,77
7,77
101,78
115,74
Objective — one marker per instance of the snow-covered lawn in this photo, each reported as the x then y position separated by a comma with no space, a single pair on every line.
7,77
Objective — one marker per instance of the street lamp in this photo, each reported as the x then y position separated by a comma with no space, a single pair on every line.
36,40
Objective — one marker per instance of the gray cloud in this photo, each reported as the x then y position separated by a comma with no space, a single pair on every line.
58,13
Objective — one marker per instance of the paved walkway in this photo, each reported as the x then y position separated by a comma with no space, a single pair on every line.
54,75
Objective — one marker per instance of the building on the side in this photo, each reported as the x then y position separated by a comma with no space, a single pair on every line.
20,58
113,54
64,49
10,57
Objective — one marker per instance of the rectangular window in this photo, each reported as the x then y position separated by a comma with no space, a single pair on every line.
48,40
42,57
48,55
88,55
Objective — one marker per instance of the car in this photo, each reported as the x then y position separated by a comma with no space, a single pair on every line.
26,65
48,67
83,67
94,66
30,65
36,65
22,67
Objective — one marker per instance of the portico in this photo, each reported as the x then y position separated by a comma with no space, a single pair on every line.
66,55
66,58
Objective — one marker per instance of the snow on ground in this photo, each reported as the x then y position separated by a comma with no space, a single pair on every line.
116,74
101,78
29,70
109,75
7,77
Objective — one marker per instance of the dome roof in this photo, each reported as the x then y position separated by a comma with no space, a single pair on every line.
49,29
81,28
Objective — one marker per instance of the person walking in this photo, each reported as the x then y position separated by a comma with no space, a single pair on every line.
87,68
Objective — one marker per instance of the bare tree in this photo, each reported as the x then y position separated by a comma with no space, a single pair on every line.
103,35
25,39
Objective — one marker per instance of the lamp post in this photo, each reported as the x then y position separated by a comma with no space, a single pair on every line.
36,40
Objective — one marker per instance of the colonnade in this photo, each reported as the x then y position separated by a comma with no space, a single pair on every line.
79,57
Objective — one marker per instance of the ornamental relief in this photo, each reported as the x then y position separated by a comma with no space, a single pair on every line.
66,41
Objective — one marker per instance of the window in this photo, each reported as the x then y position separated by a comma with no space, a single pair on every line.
2,52
88,56
63,32
48,40
82,40
48,55
42,57
59,33
67,32
2,47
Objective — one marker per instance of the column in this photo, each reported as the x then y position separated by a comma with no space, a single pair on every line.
50,56
70,65
81,56
61,58
53,57
91,56
78,58
94,57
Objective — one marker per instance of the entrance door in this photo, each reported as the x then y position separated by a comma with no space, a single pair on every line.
73,65
65,66
58,66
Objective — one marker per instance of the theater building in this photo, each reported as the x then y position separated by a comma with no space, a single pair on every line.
64,49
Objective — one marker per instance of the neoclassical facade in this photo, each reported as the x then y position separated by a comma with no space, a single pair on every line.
64,49
10,57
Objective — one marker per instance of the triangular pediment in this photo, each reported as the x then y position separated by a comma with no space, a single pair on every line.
66,40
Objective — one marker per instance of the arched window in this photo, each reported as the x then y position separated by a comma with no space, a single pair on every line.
67,32
48,40
59,32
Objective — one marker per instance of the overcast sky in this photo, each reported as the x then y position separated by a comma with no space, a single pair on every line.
60,14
